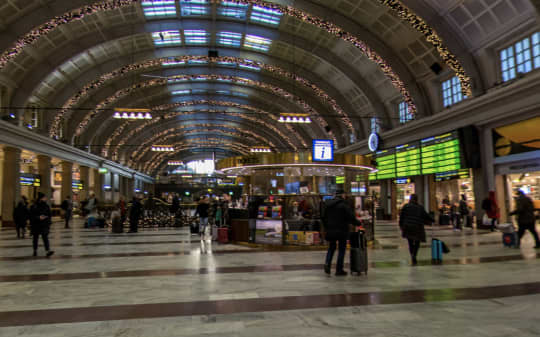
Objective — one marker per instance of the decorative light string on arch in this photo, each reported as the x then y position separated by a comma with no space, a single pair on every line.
232,79
165,135
88,89
170,115
331,28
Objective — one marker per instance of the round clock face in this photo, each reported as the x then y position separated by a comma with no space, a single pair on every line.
373,142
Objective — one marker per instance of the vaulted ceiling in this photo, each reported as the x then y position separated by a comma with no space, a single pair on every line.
341,61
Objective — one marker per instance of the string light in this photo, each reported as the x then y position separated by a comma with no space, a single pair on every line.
260,150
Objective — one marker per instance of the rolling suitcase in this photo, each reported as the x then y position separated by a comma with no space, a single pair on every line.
117,225
194,228
358,252
223,235
436,251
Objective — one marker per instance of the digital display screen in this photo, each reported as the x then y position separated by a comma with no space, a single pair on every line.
439,154
76,185
408,160
456,174
28,179
323,150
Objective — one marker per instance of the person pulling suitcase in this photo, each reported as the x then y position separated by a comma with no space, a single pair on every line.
338,215
412,219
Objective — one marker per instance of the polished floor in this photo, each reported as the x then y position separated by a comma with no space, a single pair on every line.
168,283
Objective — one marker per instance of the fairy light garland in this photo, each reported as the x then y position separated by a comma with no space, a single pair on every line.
406,14
331,28
172,115
231,79
95,85
165,135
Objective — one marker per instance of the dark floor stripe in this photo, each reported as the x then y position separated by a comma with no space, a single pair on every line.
94,244
55,235
225,307
246,269
113,255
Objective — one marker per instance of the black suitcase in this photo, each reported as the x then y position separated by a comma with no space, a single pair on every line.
359,255
117,225
194,228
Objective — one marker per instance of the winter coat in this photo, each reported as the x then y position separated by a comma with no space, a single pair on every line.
136,209
412,219
463,208
37,225
490,206
337,217
175,205
202,209
524,211
21,213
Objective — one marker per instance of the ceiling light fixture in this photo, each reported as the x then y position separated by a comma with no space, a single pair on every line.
175,163
261,150
294,118
132,114
162,148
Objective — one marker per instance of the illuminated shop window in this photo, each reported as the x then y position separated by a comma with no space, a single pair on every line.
229,39
375,127
522,57
158,8
34,117
168,37
196,36
404,113
233,10
451,91
194,7
257,43
265,15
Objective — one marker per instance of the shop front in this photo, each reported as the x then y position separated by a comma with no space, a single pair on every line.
288,190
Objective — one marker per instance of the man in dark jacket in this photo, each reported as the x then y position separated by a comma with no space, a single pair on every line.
21,214
412,219
67,207
202,212
134,215
40,223
253,213
337,217
526,220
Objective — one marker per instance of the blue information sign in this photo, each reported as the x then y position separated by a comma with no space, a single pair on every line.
323,150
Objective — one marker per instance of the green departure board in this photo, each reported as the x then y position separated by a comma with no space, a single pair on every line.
408,160
440,153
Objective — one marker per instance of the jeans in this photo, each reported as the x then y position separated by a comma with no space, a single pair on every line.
202,226
45,237
532,229
342,246
414,246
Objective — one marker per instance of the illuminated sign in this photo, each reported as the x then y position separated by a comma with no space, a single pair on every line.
441,154
103,170
456,174
340,180
323,150
28,179
76,185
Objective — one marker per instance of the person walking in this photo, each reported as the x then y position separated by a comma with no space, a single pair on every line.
253,212
338,215
67,207
40,223
134,215
202,212
489,205
21,214
175,206
122,208
526,219
412,219
464,210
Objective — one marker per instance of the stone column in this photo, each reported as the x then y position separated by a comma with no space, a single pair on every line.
85,179
44,169
98,185
115,184
67,179
11,187
130,187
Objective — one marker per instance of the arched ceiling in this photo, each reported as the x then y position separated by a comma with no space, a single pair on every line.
341,61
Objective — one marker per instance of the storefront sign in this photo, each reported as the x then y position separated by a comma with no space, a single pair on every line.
28,179
323,150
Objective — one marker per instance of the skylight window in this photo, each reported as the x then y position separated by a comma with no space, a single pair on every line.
223,92
196,36
180,92
198,91
197,62
249,67
229,39
227,64
265,15
172,63
158,8
233,10
239,94
257,43
168,37
194,7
